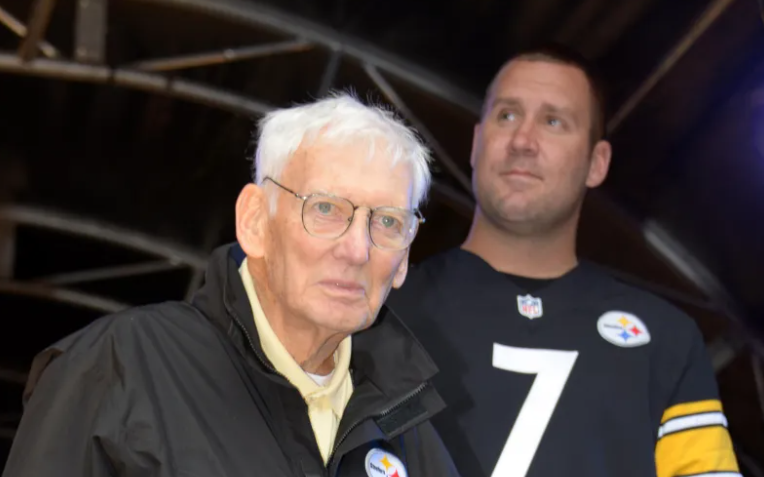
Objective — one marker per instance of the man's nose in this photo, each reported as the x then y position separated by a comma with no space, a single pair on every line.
355,244
524,138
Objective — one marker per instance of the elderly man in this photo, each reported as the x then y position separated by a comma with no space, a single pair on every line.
285,363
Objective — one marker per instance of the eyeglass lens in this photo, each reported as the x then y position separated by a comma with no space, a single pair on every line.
329,217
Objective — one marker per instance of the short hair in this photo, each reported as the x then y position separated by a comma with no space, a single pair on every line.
339,117
557,53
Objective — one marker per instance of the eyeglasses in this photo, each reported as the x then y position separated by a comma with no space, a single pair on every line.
328,216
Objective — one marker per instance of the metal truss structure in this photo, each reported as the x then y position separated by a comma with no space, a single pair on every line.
36,57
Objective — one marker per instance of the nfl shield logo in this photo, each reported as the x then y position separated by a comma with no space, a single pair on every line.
529,307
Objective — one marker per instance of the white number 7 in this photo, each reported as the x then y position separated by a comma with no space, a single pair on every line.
553,369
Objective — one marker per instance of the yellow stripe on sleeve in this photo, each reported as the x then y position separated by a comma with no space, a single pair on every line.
685,409
695,451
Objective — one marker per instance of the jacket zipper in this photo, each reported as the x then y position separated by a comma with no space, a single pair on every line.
249,340
355,424
385,412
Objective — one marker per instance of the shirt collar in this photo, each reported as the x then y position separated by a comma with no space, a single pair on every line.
285,364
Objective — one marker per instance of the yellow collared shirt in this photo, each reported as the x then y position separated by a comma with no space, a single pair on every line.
326,404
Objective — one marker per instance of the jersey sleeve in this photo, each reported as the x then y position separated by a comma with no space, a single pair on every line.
64,401
693,439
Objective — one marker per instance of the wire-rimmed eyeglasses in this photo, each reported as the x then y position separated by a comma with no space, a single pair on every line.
328,216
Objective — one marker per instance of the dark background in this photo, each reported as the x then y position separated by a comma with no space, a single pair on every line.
118,177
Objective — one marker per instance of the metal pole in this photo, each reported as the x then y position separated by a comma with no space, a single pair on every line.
666,292
685,262
689,266
71,297
330,73
38,24
7,250
758,378
440,152
459,202
108,273
149,82
90,31
257,14
229,55
100,231
20,29
707,18
724,350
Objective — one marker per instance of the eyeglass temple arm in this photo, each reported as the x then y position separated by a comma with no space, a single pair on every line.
301,197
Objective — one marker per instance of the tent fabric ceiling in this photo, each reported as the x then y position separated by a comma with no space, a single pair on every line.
118,175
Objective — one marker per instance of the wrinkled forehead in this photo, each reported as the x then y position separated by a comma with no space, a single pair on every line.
362,170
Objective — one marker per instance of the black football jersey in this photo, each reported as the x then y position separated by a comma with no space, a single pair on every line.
577,376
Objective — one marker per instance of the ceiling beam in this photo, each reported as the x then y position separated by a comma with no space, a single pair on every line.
90,28
723,350
440,152
17,27
72,224
260,15
62,295
688,265
42,10
457,200
7,250
701,25
666,292
683,261
228,55
108,273
330,73
758,377
254,14
138,80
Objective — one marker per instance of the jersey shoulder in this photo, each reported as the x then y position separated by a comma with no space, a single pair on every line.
451,274
669,325
432,268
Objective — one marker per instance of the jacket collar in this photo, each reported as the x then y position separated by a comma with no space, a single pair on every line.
387,354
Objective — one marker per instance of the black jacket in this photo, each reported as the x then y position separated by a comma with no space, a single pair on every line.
185,390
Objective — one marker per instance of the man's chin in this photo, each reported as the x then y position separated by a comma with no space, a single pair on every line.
508,215
344,317
356,323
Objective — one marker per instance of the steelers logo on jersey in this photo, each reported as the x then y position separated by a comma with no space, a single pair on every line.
623,329
384,464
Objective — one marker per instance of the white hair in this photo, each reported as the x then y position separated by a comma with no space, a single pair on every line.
339,117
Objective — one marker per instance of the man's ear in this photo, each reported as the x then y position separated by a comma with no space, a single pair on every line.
403,270
476,131
252,220
599,165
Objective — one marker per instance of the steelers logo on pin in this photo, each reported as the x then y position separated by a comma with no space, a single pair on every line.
380,463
